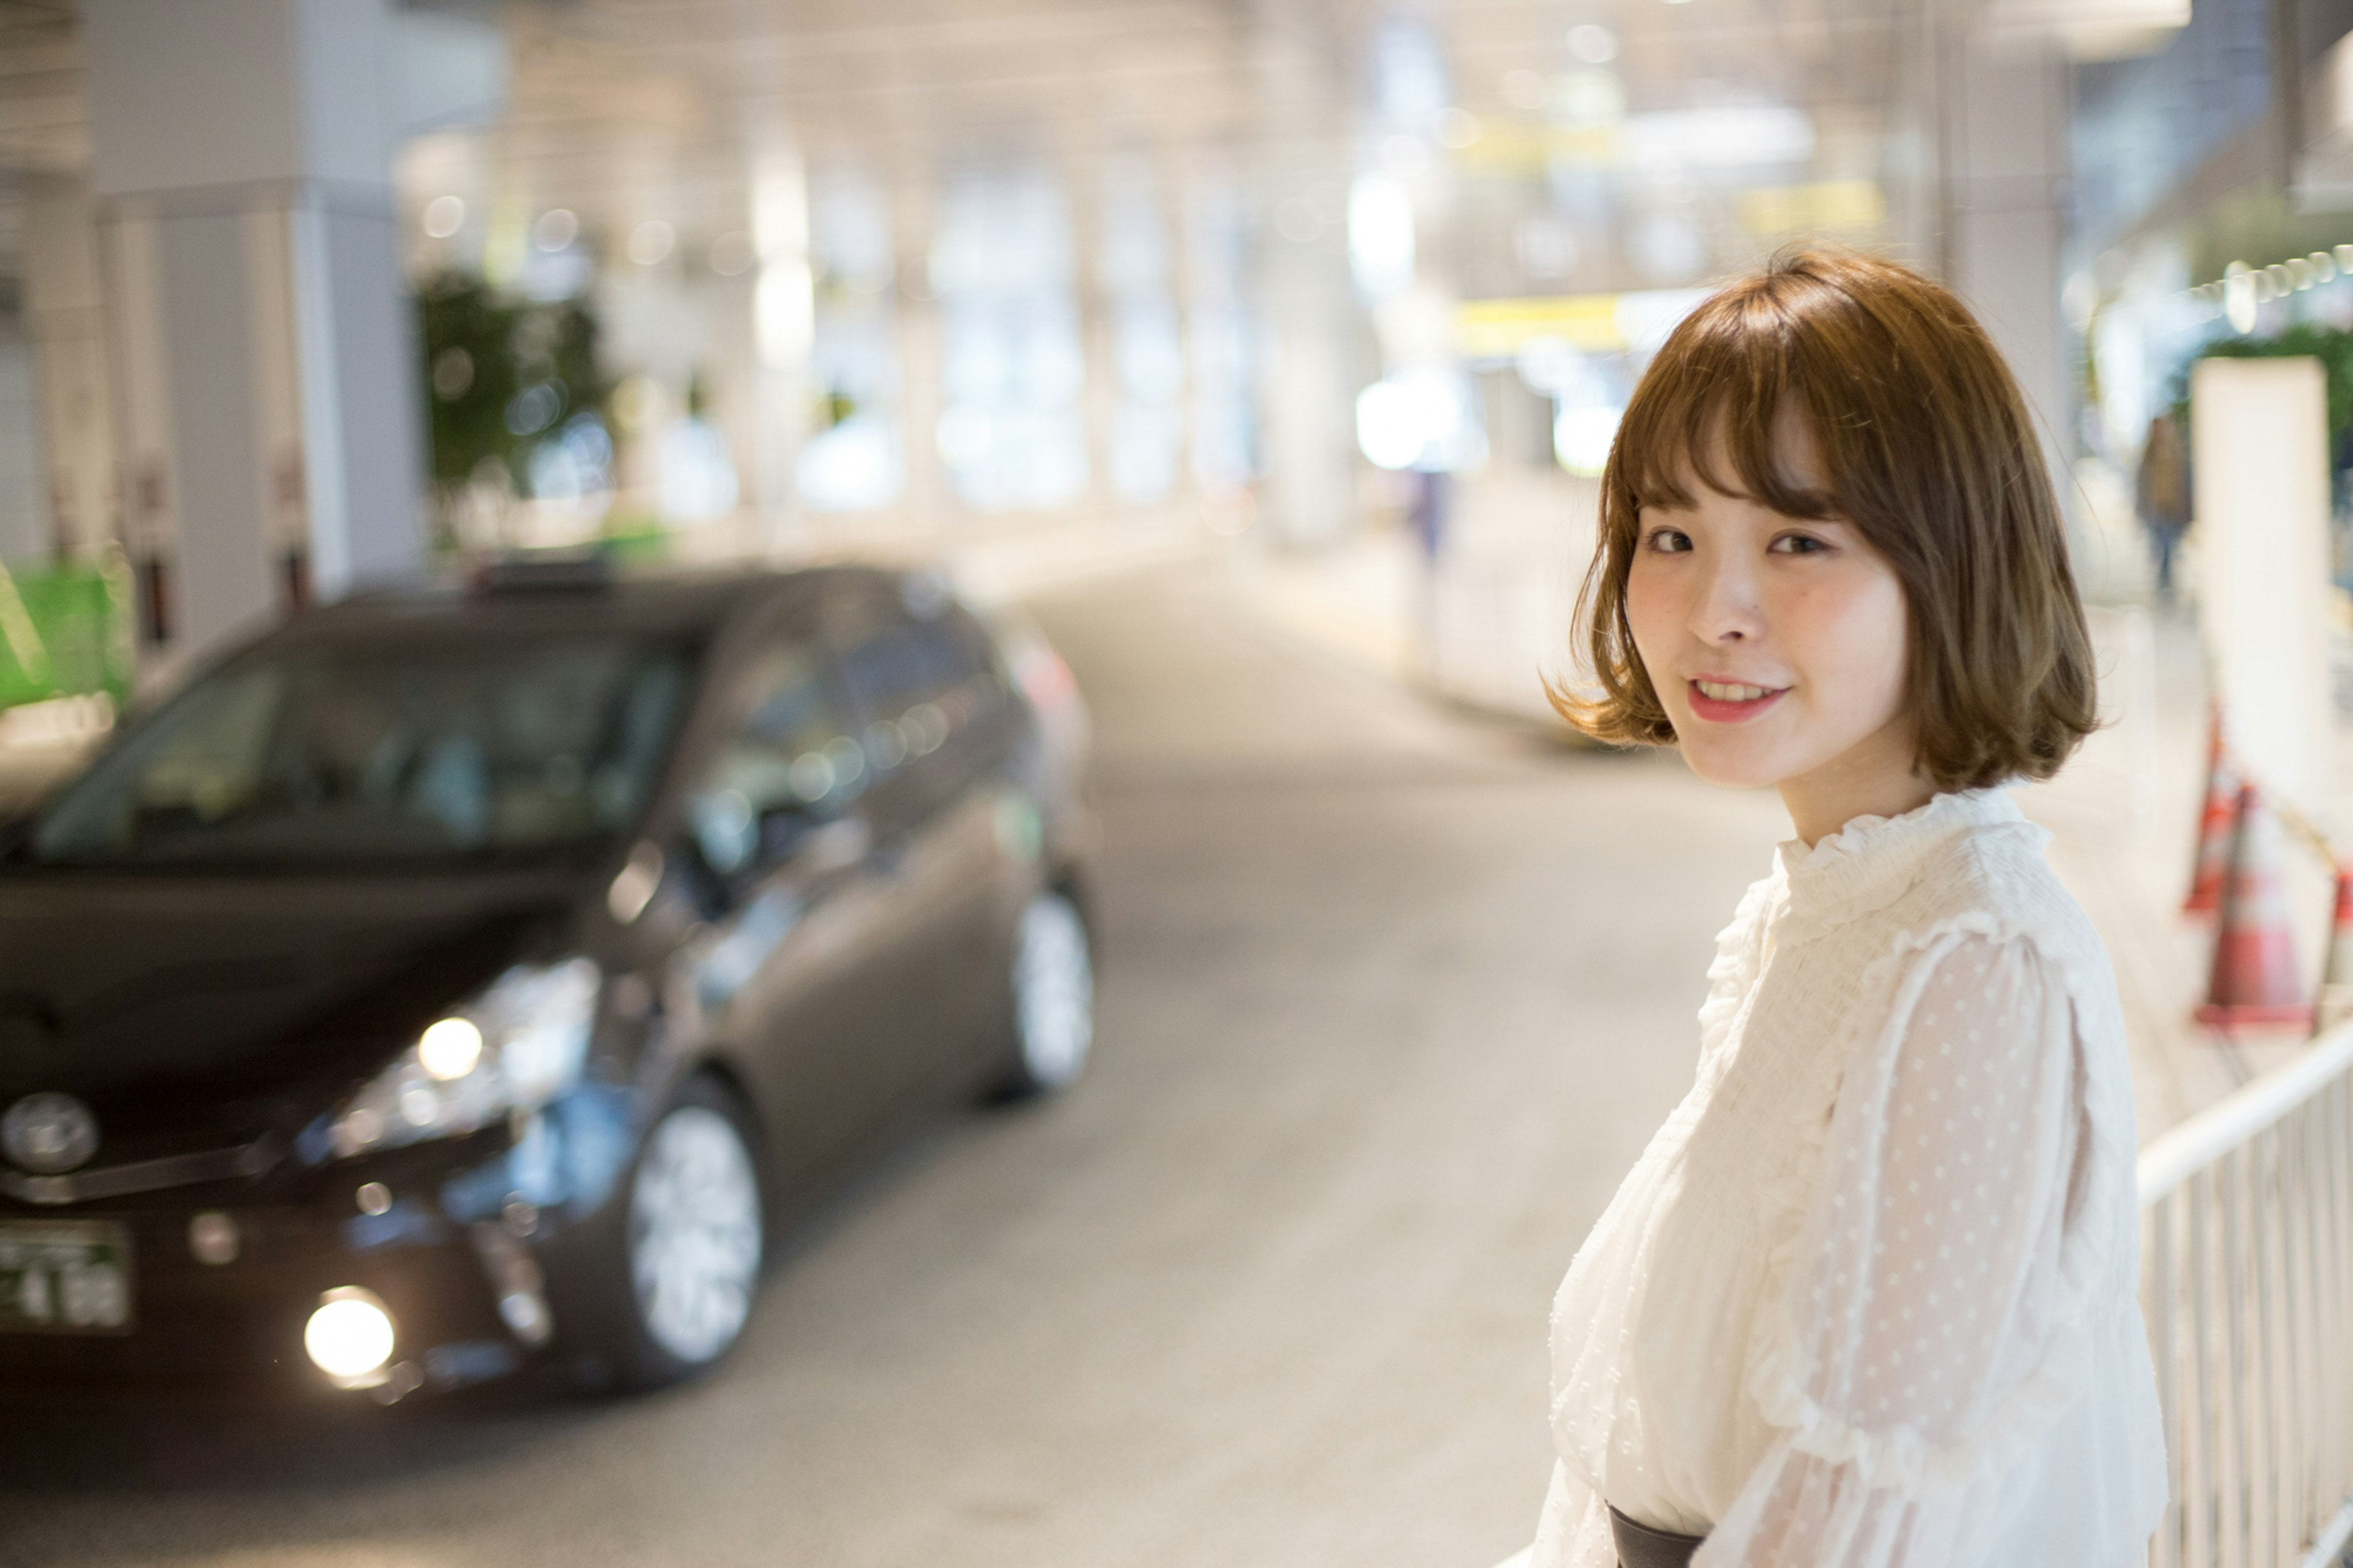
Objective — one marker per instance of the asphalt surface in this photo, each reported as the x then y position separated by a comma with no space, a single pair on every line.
1390,1000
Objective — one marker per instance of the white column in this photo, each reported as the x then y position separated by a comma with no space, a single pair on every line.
930,500
2261,462
64,317
784,320
2005,161
24,514
1307,392
1307,395
263,342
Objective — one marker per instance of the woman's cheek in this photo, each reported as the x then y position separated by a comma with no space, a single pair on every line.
1649,612
1853,636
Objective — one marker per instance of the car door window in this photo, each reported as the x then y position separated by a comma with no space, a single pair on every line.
787,763
915,682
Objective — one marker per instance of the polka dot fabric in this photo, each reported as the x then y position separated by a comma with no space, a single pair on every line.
1867,1300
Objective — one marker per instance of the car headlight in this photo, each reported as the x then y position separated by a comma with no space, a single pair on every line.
516,1046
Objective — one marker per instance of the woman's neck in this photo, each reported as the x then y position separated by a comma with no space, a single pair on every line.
1878,777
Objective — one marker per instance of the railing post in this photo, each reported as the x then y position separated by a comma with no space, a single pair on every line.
2199,1501
2247,1255
2168,1553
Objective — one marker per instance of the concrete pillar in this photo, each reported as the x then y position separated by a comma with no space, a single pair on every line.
23,537
931,500
64,317
1309,396
784,323
2004,137
1306,388
2260,465
270,432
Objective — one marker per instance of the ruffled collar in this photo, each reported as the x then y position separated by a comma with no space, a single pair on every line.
1874,860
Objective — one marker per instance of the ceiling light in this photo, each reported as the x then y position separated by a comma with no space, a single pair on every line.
1593,44
650,242
556,229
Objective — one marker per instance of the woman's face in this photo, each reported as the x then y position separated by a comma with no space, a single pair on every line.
1778,645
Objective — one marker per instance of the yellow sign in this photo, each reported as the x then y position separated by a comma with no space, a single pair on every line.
1503,146
1498,329
1589,323
1808,209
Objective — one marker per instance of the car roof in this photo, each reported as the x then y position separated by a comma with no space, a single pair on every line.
665,603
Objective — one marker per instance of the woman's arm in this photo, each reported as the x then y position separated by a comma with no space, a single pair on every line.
1930,1325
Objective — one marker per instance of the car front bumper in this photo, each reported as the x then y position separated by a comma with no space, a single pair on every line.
453,1257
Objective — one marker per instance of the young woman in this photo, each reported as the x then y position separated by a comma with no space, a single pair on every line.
1868,1299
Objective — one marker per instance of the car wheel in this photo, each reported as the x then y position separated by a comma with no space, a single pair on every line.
692,1235
1053,997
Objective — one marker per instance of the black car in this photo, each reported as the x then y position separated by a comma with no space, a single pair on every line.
453,981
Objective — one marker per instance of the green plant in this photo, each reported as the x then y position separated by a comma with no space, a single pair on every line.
501,375
467,331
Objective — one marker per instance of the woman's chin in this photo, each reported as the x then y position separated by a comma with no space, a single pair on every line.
1732,766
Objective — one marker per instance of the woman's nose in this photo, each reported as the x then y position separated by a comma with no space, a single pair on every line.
1726,609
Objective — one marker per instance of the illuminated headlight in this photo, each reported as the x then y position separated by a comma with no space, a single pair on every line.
350,1336
515,1047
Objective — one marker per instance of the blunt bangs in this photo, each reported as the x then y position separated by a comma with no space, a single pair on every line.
1715,426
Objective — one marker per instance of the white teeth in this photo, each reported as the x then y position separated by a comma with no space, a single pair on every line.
1732,693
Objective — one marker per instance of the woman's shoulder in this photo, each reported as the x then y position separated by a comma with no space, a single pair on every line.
1993,885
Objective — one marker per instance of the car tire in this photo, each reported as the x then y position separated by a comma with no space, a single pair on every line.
680,1266
1053,995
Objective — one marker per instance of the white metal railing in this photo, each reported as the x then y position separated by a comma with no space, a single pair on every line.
2247,1285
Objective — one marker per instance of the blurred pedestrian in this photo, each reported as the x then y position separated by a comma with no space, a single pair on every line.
1428,514
1431,510
2161,495
1870,1296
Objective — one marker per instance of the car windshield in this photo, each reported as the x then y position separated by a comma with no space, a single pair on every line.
477,749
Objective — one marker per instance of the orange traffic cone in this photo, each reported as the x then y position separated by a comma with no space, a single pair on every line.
2333,1001
2212,862
2254,982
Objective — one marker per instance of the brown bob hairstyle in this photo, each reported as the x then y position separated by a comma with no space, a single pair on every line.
1926,449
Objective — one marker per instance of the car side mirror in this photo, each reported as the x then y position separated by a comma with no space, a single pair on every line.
724,831
783,831
730,840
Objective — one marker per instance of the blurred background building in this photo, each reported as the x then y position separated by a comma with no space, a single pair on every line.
298,292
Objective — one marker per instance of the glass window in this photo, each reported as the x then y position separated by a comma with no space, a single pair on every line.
1012,434
915,682
380,753
785,755
902,664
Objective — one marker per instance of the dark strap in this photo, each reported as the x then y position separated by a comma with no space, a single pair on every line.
1639,1546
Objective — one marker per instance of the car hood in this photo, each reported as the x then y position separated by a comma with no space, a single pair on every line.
225,1005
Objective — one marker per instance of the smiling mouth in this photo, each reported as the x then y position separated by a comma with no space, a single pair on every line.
1730,701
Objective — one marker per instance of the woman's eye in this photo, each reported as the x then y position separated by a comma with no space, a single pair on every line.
1667,540
1799,545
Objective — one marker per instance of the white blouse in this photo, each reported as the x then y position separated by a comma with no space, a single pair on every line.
1869,1298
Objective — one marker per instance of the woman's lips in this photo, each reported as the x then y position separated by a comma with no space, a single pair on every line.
1740,701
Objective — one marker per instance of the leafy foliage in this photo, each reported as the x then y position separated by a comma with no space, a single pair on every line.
500,374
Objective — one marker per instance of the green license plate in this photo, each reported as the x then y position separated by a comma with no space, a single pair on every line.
63,1276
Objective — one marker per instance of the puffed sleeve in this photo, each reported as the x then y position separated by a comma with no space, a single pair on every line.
1573,1531
1931,1321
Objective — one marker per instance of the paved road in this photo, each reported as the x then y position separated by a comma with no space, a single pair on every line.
1390,1002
